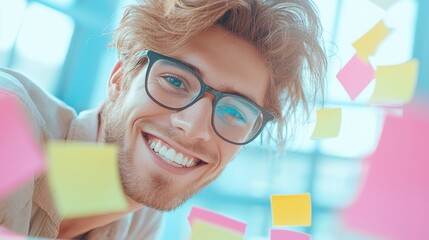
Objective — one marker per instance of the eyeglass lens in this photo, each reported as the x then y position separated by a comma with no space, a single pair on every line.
174,86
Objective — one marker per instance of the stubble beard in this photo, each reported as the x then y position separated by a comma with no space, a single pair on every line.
153,190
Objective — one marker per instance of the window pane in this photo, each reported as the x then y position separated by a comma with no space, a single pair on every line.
359,133
11,15
336,182
356,18
45,35
42,44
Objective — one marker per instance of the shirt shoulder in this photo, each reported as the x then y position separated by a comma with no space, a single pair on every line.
49,117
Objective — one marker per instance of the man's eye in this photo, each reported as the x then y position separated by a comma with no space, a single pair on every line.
175,82
231,115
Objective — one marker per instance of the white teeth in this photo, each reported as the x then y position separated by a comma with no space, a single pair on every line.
157,146
179,158
189,161
170,154
163,150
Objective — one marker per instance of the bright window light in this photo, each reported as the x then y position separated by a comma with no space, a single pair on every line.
62,3
11,15
356,18
45,35
359,133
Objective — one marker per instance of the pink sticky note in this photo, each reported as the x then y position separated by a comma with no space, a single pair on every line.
355,76
281,234
20,157
393,202
216,218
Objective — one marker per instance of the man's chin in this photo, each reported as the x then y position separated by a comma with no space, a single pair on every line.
165,207
160,203
155,194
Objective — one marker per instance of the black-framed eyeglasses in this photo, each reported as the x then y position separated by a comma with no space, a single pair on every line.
175,86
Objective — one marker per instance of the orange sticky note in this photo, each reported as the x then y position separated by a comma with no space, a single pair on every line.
291,210
328,123
367,45
202,230
84,178
395,83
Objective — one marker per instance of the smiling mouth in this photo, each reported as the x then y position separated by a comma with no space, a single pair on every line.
170,155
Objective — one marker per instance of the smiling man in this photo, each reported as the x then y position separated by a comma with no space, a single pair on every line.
195,81
184,116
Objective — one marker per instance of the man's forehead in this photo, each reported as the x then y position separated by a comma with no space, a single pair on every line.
227,63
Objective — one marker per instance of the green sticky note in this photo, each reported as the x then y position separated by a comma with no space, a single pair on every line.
291,210
395,83
202,230
328,123
84,178
367,45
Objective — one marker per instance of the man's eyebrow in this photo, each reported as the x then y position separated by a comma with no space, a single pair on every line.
192,67
229,89
224,88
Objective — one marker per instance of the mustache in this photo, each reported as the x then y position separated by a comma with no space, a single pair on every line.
194,146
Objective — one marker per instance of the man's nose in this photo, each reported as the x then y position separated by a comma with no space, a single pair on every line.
195,121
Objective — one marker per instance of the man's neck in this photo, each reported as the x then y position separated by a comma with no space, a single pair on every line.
71,228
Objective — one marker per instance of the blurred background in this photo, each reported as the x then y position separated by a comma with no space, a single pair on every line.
62,46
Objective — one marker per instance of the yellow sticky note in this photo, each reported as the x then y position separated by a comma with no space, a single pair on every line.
291,210
202,230
367,45
395,83
328,123
386,4
84,178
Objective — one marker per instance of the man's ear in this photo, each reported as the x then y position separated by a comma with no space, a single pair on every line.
114,85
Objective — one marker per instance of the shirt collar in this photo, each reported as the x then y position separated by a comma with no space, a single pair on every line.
85,127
